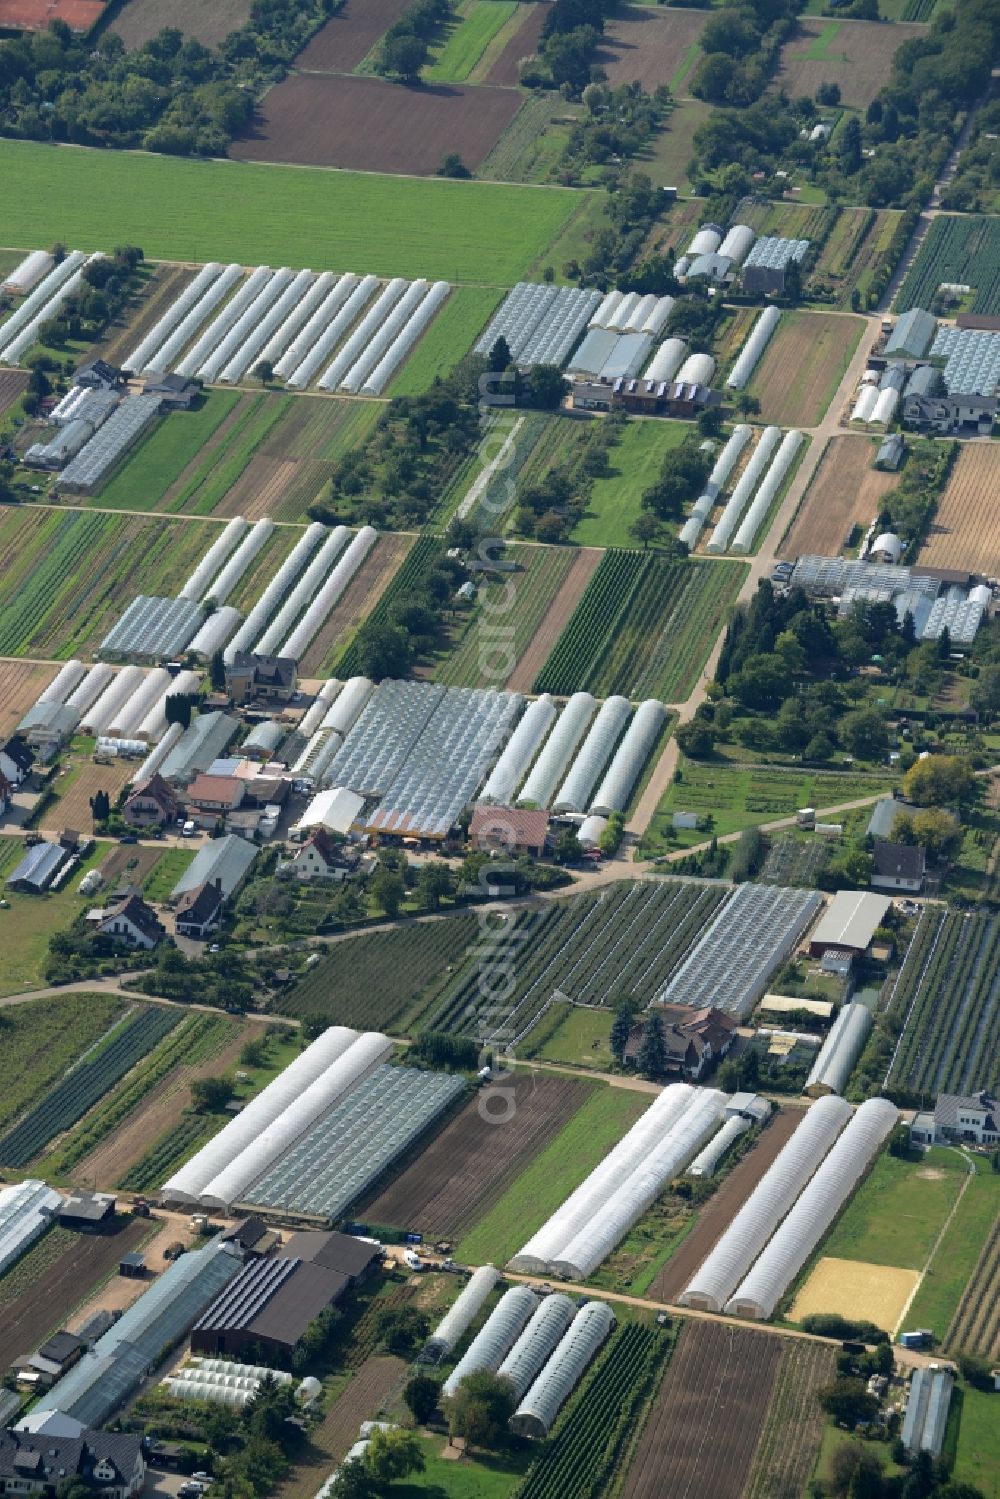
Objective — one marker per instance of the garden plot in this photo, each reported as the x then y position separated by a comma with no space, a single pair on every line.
963,532
349,36
962,251
975,1328
21,684
803,365
844,492
793,1430
540,644
855,55
13,384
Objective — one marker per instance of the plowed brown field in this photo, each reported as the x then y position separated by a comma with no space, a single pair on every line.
701,1435
140,20
349,36
330,1441
855,55
20,684
845,491
72,810
312,119
801,367
647,44
12,383
504,72
964,532
472,1162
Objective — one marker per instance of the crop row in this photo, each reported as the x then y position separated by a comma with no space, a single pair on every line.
579,1461
975,1327
167,1153
917,954
85,1085
597,619
420,560
963,251
630,658
793,1427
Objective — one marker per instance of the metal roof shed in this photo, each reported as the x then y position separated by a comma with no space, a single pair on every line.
849,922
912,334
223,862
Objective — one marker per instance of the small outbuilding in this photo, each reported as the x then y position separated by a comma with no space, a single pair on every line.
849,922
88,1211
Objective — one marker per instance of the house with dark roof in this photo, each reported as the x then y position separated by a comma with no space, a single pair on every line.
176,392
107,1463
696,1040
252,678
88,1210
153,804
509,830
6,793
98,375
199,912
898,866
957,416
132,923
51,1361
320,858
16,760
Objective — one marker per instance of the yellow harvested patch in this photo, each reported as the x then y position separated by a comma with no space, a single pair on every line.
863,1292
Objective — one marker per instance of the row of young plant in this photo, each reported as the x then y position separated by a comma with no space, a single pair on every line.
975,1327
595,620
168,1152
647,628
972,1050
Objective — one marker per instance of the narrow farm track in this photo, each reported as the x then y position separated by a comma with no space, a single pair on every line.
329,1442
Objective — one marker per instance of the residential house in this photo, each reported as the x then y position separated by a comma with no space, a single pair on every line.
153,804
213,797
898,866
51,1361
696,1040
955,416
109,1464
509,830
199,912
16,760
98,375
132,923
969,1117
252,678
176,392
320,858
6,793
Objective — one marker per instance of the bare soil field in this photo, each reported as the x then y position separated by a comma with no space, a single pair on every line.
35,15
362,594
163,287
802,366
845,491
504,72
963,532
140,20
701,1434
12,384
649,45
330,1441
312,120
853,54
722,1207
72,810
562,606
20,684
471,1163
349,36
42,1306
789,1442
127,862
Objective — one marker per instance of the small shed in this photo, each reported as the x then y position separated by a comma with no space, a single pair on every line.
912,335
132,1266
890,454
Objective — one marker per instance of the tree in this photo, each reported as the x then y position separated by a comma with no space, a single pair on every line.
480,1410
264,371
454,166
402,1329
547,387
388,891
393,1454
177,708
422,1395
568,848
985,694
498,360
434,882
100,806
217,672
710,420
403,56
939,780
695,738
932,829
746,404
850,147
621,1029
383,650
652,1058
211,1094
353,1481
645,528
864,734
848,1401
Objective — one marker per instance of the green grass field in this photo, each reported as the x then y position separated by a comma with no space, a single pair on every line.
581,1038
449,337
29,922
899,1210
173,443
553,1175
40,1040
484,1476
165,873
977,1459
203,210
941,1289
616,501
469,40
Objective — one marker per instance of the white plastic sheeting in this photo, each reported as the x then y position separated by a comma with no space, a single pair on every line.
318,708
222,586
372,351
215,631
133,710
256,313
593,755
636,320
222,324
667,360
345,710
697,369
192,294
590,831
495,1338
718,1275
160,362
363,333
606,308
257,331
154,724
763,499
459,1317
754,347
304,591
558,749
749,479
315,759
275,592
591,1326
41,297
301,637
840,1050
361,1058
865,404
29,332
405,340
545,1246
657,319
90,689
282,340
189,1180
26,1210
522,746
611,1219
815,1210
738,243
66,680
724,465
24,277
331,321
222,547
706,241
710,1155
885,407
536,1343
631,755
621,315
156,757
97,718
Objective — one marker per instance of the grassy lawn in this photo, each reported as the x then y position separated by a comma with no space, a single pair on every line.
581,1039
977,1460
164,875
449,337
669,154
834,1438
616,501
469,40
553,1175
941,1288
29,922
169,448
486,1477
899,1210
40,1040
201,210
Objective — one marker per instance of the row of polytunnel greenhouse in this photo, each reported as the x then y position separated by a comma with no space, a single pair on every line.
131,705
20,331
747,507
796,1200
352,332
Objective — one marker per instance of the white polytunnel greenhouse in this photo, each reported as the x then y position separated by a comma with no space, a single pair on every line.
593,755
273,1140
256,332
225,320
636,321
216,630
761,503
558,750
28,334
316,758
748,481
301,637
222,586
41,299
405,340
865,404
154,724
706,241
304,591
620,318
222,547
543,1248
257,313
657,319
592,1326
738,243
629,758
495,1338
710,1155
522,746
101,714
159,362
318,708
667,360
26,1211
345,708
325,329
537,1342
287,332
133,710
721,1272
66,680
590,831
189,1180
175,313
885,407
25,276
275,592
605,309
697,369
89,690
156,757
460,1316
611,1219
840,1051
372,351
753,348
723,467
820,1202
362,335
